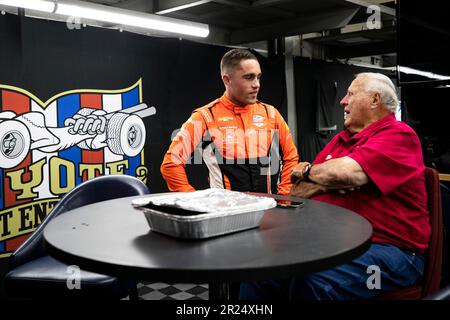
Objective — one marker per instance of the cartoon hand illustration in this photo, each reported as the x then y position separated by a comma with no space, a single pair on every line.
90,125
87,121
122,132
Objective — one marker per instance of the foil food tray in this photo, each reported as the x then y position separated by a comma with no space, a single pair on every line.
203,214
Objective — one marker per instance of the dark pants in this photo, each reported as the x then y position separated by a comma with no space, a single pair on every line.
380,269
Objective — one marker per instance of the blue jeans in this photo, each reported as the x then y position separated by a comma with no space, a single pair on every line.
380,269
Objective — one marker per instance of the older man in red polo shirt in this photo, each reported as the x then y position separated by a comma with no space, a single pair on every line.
374,168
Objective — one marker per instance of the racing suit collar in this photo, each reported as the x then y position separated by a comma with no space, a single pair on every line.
234,107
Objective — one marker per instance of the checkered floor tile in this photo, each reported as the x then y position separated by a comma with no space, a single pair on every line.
164,291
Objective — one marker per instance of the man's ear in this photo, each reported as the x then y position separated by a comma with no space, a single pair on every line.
226,79
375,100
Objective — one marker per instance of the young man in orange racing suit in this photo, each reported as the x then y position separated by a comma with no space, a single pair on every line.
243,140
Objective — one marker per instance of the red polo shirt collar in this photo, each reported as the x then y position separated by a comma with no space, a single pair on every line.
346,135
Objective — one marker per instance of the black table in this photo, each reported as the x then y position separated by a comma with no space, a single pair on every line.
111,237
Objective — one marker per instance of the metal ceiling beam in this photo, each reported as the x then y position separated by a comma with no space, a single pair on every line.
266,3
107,2
218,13
222,22
259,6
168,6
235,3
231,10
136,5
367,4
389,60
380,34
312,23
362,50
277,12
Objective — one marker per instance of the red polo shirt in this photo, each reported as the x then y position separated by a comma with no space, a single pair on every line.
395,200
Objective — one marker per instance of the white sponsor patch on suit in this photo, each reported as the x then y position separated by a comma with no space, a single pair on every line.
258,120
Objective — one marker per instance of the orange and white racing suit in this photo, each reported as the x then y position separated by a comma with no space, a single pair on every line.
242,147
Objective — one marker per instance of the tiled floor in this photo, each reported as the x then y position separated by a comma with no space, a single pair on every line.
164,291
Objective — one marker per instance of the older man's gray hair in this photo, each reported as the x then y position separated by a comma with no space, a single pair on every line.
378,82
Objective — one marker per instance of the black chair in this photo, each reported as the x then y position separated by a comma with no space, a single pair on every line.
34,274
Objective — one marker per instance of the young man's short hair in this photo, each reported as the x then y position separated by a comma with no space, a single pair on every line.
233,57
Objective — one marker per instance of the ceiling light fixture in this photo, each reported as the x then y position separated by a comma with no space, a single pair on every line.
425,74
114,15
39,5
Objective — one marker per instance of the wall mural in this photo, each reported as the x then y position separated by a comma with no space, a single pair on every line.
47,148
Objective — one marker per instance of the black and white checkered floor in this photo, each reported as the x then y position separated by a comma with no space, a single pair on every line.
164,291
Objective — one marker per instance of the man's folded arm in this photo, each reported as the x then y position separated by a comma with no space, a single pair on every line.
340,173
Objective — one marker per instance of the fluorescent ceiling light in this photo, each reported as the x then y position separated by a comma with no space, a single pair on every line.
185,6
130,18
114,15
425,74
39,5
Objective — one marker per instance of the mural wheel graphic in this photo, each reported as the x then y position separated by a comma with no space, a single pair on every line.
15,143
126,134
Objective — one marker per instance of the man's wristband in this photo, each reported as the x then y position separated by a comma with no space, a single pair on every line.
306,171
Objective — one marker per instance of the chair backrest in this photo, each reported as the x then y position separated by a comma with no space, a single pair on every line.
445,194
98,189
433,268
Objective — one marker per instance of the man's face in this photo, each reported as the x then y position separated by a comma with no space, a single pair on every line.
356,105
242,83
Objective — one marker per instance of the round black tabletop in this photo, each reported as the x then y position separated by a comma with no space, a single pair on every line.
112,237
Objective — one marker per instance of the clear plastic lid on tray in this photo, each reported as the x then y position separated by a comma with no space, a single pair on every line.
203,214
209,201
